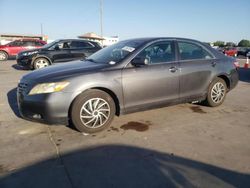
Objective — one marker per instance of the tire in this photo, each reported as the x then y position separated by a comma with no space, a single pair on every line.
216,93
40,63
89,111
3,56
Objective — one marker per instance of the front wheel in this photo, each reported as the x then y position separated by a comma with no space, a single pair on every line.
3,56
216,92
92,111
41,63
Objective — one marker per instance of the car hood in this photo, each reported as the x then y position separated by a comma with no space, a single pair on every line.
64,71
31,50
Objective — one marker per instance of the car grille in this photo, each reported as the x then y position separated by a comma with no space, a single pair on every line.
22,88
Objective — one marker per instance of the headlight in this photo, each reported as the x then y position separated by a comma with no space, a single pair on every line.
29,53
48,88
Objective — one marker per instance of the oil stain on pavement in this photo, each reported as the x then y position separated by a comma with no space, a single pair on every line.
137,126
197,109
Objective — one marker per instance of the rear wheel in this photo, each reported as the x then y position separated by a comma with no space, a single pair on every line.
216,92
92,111
3,56
41,63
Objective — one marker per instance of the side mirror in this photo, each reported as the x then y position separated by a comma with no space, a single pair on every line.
56,47
140,61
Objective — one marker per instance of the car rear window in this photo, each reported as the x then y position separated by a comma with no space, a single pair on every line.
81,44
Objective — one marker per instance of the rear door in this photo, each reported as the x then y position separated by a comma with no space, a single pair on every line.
196,65
81,49
154,84
38,44
16,47
28,45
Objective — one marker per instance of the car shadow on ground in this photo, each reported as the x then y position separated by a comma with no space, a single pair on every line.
12,100
121,166
17,67
244,74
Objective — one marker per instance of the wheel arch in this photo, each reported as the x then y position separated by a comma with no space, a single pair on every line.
5,52
106,90
114,97
40,56
226,79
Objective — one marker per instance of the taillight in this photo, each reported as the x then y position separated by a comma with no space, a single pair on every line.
236,64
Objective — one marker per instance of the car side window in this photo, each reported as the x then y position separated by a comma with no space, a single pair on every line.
160,52
17,43
63,45
80,44
37,43
190,51
28,43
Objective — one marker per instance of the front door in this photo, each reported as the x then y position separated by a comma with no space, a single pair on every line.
61,52
154,84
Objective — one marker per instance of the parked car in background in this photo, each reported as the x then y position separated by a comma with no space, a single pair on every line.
242,52
220,49
57,52
13,48
129,76
231,51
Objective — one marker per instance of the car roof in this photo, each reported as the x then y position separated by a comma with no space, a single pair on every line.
59,40
148,39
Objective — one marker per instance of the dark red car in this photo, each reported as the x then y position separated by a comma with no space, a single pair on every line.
230,51
14,47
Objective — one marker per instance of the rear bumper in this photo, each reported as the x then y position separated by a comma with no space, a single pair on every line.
234,79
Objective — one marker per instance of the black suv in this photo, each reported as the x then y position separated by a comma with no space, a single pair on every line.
57,52
242,52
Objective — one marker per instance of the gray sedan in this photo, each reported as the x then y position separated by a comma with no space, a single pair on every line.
132,75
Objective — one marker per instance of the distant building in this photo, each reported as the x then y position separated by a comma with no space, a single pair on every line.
92,37
6,38
110,40
104,41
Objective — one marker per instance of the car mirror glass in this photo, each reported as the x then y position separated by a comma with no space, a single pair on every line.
140,61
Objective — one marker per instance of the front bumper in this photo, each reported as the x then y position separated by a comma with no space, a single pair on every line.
50,108
24,61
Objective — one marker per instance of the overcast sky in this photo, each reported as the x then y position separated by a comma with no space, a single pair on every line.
205,20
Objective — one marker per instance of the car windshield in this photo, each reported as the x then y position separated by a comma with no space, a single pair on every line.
50,44
116,53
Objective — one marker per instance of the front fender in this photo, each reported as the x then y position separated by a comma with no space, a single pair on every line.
111,81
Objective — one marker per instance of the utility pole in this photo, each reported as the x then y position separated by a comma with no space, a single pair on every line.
101,11
41,29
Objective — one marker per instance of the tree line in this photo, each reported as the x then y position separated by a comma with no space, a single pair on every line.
242,43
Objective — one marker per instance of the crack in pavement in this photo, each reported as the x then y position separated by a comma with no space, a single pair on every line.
59,157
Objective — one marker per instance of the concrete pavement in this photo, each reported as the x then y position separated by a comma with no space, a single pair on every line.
179,146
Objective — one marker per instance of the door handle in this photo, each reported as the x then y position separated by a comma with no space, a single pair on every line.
173,69
213,64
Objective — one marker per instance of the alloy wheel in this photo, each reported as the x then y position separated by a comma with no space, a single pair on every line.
94,113
218,92
3,56
41,63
